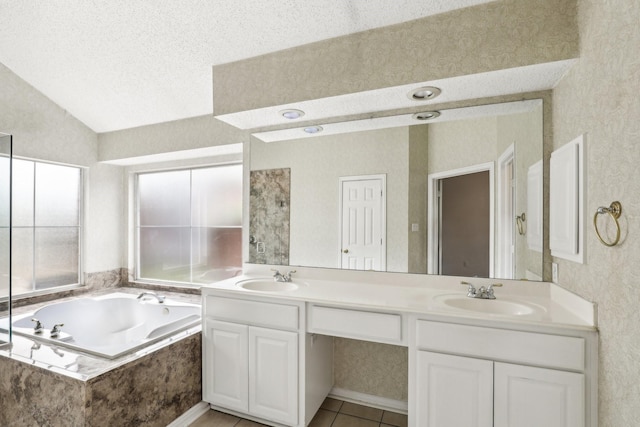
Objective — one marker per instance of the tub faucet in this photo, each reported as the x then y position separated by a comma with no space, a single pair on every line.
55,331
160,298
39,327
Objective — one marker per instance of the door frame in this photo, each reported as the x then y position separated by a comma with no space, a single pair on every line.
383,213
505,218
433,213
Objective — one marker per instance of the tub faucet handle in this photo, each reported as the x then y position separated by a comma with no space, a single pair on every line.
55,331
38,328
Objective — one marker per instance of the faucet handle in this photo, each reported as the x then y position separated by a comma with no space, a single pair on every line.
55,331
38,328
490,294
471,291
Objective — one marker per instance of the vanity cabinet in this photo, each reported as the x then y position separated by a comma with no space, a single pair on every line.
254,370
484,377
251,358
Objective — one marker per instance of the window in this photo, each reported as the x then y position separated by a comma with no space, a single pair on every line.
189,224
46,225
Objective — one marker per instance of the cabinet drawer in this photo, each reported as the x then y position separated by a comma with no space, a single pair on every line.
529,348
364,325
249,312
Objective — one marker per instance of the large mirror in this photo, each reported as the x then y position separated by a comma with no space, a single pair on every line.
457,194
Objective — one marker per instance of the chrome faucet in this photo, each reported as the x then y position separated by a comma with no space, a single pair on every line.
55,331
279,277
160,298
482,292
39,327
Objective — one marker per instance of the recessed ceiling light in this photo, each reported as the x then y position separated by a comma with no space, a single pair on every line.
291,114
426,115
313,129
424,93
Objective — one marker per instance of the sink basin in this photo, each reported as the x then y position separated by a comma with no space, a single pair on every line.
267,285
488,306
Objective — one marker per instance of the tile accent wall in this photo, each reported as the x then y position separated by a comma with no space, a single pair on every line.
269,208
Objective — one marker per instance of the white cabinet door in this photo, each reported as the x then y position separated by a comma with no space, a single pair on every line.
225,366
533,397
453,391
273,375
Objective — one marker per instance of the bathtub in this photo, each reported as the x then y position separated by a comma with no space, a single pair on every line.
109,326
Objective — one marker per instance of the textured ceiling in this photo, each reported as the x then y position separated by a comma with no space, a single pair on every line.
116,64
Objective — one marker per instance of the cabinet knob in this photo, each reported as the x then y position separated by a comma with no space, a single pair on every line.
346,251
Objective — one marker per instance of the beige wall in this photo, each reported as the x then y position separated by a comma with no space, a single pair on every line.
179,135
599,98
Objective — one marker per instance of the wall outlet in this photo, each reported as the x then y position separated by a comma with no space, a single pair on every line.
554,272
415,227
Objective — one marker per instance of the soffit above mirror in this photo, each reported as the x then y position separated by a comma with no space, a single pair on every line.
472,44
531,78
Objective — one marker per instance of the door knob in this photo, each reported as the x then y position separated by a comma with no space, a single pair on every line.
346,251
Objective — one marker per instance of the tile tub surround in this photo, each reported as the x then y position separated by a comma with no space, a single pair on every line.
93,282
45,385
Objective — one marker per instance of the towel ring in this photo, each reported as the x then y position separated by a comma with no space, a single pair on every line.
614,211
520,219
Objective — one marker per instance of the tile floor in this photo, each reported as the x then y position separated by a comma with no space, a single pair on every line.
332,413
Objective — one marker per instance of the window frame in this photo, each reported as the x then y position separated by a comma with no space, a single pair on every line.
135,217
82,199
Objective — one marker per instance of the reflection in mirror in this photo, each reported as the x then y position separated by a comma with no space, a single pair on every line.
5,239
426,221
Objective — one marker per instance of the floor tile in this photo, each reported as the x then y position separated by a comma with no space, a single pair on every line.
331,404
323,418
394,419
361,411
215,418
247,423
343,420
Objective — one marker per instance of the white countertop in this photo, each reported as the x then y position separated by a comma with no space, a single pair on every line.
542,304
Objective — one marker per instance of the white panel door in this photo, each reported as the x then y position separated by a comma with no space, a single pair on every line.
362,224
225,367
273,375
534,397
453,391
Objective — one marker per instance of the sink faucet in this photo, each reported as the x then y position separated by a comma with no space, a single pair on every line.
152,294
279,277
482,293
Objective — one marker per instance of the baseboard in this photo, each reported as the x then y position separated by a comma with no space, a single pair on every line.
384,403
191,415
